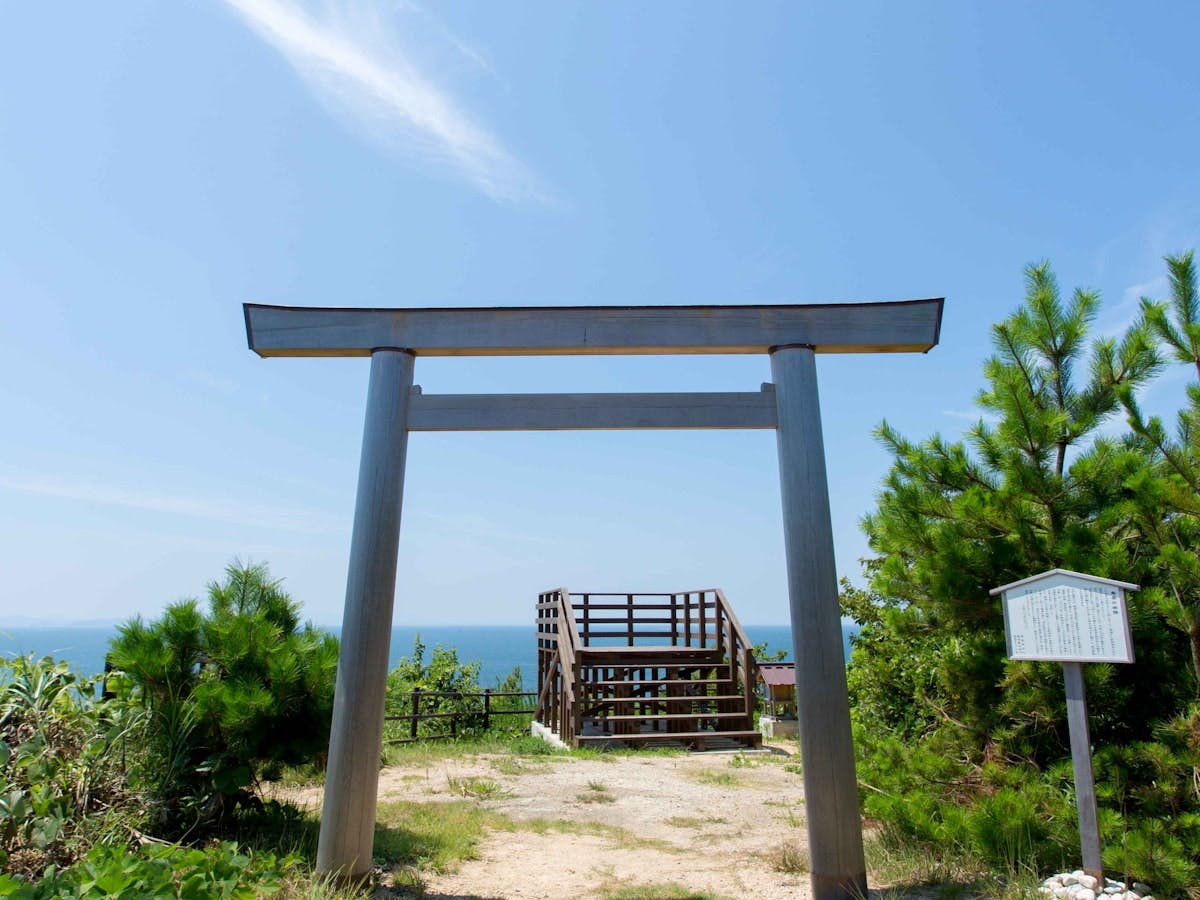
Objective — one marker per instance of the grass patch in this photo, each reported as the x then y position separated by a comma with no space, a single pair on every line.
794,768
424,753
588,797
299,776
304,886
741,761
657,891
477,788
619,837
695,822
715,778
611,755
940,872
597,792
516,765
794,814
279,828
432,836
414,838
788,857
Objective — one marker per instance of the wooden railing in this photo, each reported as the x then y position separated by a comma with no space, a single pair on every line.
484,713
739,650
573,628
558,665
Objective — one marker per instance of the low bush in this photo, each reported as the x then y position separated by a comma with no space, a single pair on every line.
232,696
94,772
448,687
63,751
222,872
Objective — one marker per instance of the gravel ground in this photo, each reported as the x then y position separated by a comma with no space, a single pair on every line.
717,822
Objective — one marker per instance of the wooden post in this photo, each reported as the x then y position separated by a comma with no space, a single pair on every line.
1081,757
838,867
355,740
487,708
416,713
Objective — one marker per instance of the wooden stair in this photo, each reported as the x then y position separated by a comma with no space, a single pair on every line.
695,691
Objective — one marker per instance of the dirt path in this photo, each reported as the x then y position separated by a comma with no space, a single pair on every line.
730,825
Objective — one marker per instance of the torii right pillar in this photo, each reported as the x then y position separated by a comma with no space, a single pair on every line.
837,866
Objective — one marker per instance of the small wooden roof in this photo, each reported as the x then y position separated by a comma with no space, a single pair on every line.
777,674
1095,579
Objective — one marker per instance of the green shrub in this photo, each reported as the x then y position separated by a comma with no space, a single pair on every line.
233,695
222,872
63,751
964,751
446,684
1158,851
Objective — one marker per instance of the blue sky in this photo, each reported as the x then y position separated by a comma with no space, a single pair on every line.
161,163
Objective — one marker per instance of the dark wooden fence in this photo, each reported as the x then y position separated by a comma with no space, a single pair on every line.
484,712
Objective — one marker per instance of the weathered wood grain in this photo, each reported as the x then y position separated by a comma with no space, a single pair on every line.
1081,759
838,867
352,777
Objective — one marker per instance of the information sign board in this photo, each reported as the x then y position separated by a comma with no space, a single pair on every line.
1066,616
1072,618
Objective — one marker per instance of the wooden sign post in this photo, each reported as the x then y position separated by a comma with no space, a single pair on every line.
1071,618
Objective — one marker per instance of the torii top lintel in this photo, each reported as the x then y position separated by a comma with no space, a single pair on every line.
905,326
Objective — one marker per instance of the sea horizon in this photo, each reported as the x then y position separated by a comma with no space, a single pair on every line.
497,648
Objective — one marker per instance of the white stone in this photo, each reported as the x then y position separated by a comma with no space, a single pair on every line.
1061,892
1088,881
1071,878
1085,894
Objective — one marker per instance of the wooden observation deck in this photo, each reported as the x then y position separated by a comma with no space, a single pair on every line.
639,668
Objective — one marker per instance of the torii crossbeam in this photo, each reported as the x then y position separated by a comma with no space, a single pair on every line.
790,334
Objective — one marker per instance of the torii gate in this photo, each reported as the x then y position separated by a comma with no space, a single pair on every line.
790,334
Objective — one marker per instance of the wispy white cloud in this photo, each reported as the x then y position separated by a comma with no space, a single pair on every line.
961,414
211,381
1117,319
473,527
462,48
232,511
971,416
1153,288
351,56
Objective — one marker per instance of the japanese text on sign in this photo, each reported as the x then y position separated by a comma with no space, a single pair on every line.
1067,620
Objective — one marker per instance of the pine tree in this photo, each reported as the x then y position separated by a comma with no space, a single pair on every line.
959,746
1034,486
233,694
1173,485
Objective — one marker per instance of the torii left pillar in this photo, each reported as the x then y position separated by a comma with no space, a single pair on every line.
352,777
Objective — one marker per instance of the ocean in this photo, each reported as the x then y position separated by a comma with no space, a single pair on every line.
498,649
